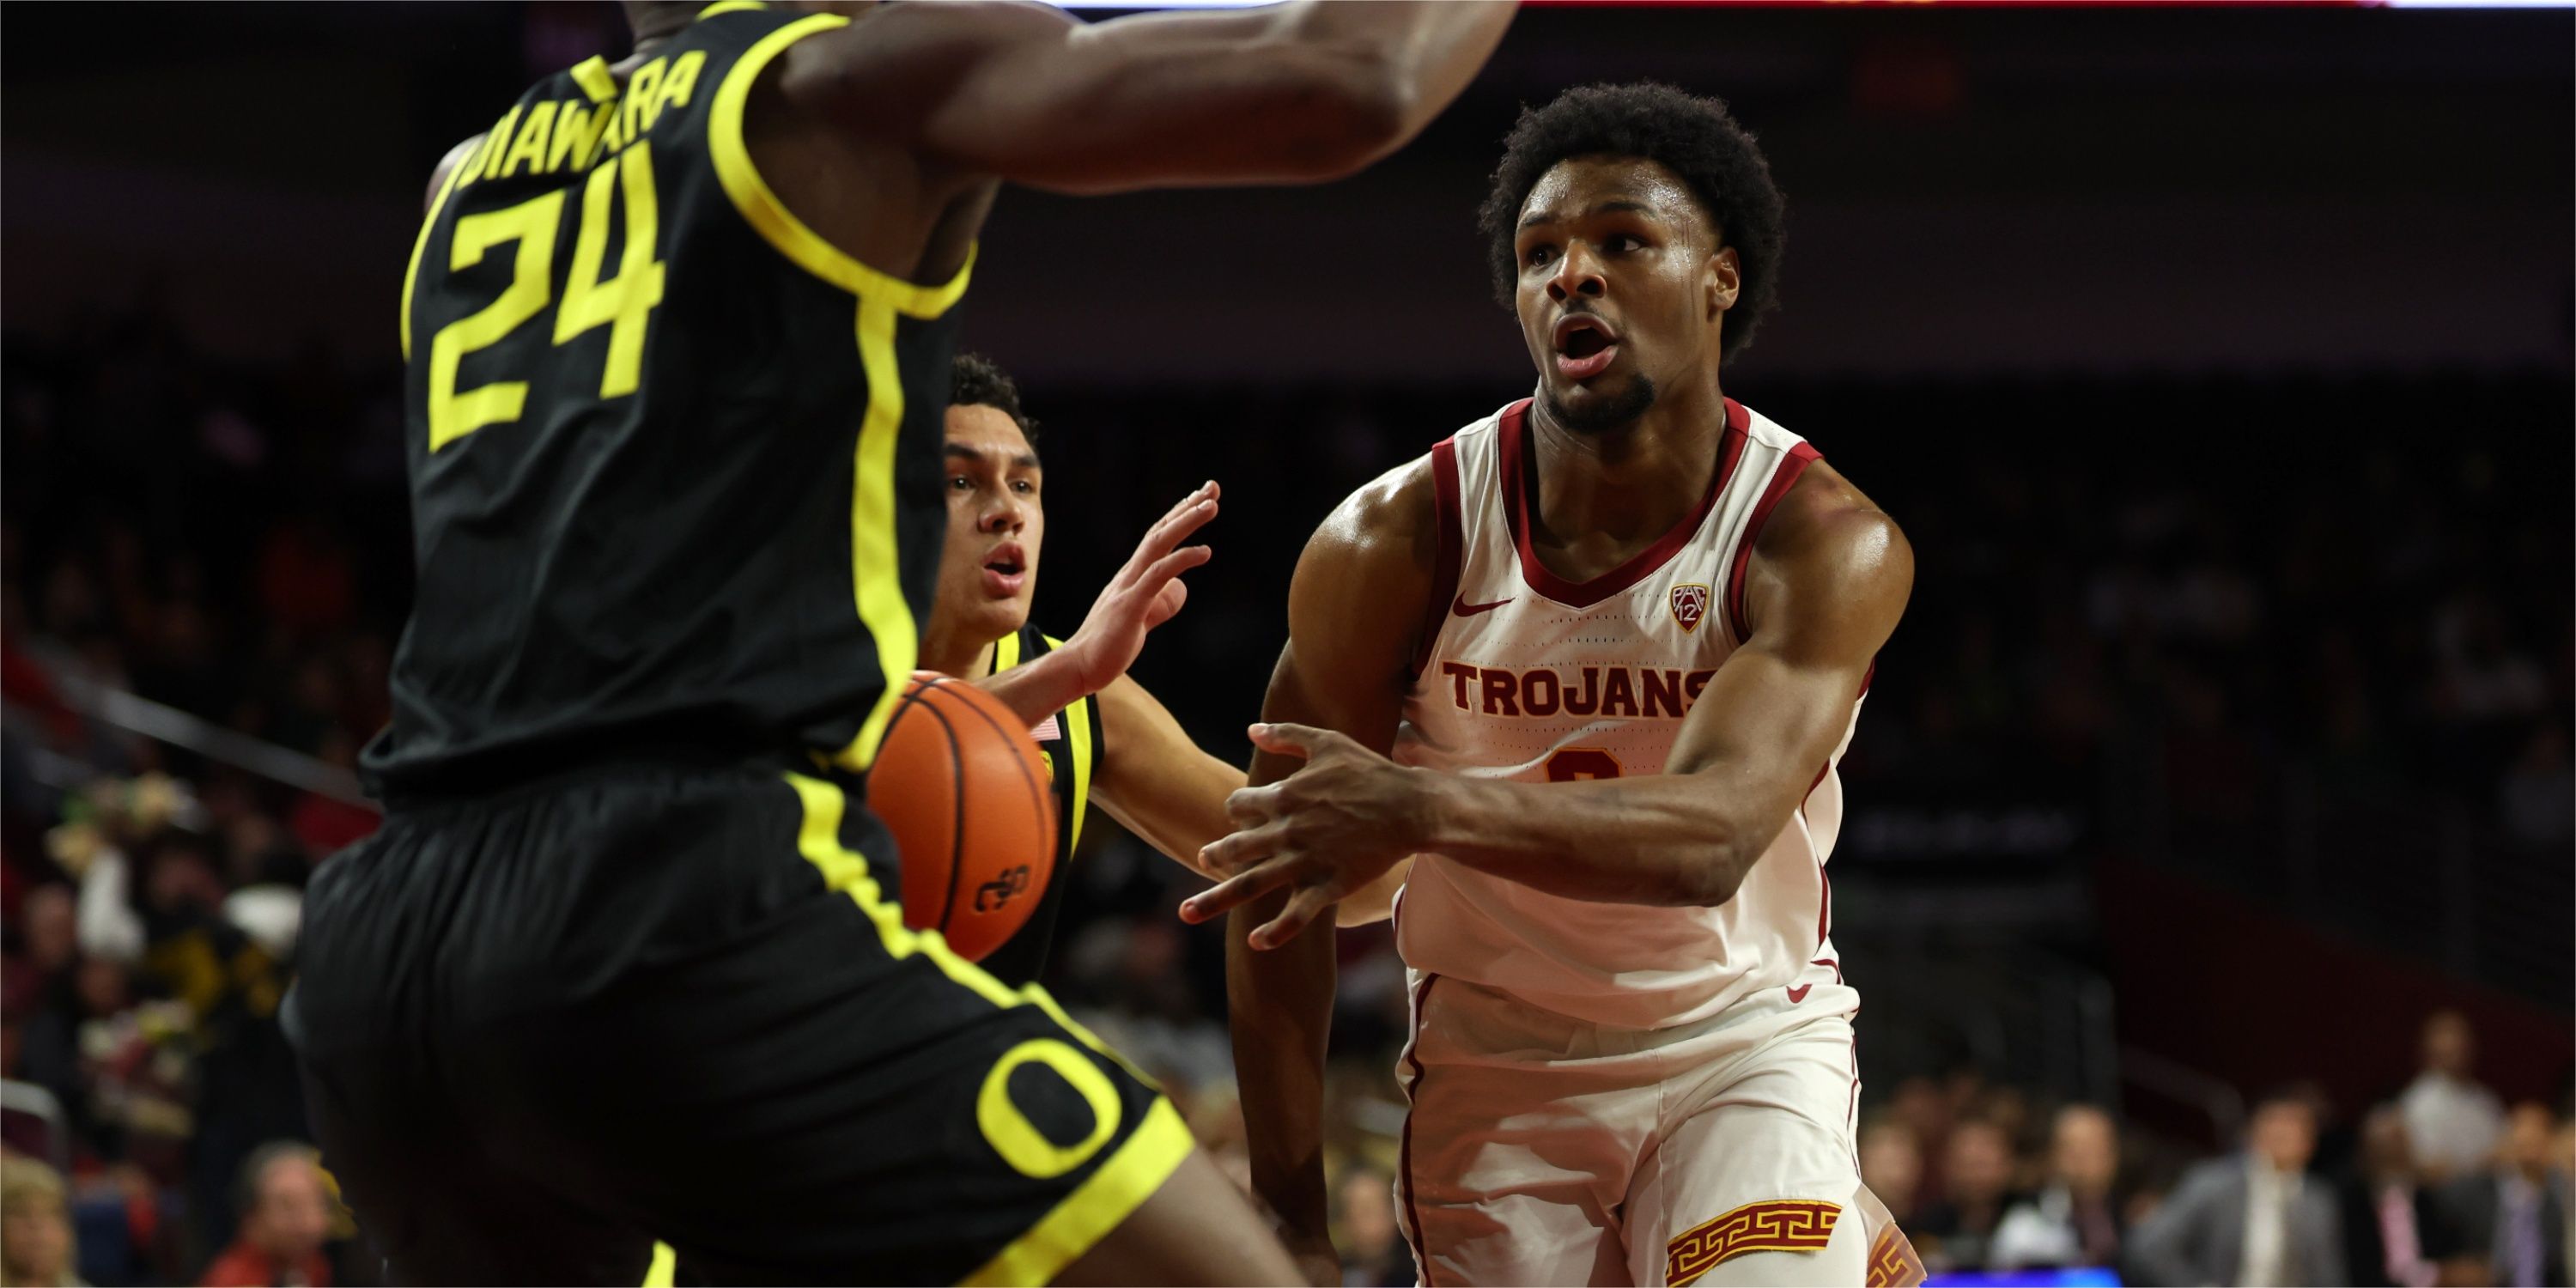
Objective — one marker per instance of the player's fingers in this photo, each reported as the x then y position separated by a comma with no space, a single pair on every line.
1241,888
1153,579
1252,805
1303,907
1167,603
1289,739
1251,843
1173,528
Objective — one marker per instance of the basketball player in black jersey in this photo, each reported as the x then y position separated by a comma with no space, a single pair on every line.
1118,748
621,965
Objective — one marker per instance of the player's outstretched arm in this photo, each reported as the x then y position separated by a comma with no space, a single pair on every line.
1353,607
1826,585
1298,92
1163,787
1154,780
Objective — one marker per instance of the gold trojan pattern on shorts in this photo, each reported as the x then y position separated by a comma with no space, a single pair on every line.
1892,1261
1781,1225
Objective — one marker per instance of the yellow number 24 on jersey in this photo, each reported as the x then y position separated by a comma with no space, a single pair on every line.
624,303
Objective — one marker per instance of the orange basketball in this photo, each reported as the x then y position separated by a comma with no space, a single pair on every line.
961,785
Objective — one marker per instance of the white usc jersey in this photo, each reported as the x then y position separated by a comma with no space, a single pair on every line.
1528,676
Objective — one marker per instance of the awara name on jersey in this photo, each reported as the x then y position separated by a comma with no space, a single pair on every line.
569,135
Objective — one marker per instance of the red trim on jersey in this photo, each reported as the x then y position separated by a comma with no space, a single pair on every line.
1825,905
1453,550
1783,476
1516,506
1404,1151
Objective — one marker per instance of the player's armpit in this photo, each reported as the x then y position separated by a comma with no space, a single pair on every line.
1154,780
1289,93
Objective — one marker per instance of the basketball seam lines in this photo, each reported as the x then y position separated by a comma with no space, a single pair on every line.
956,797
1036,796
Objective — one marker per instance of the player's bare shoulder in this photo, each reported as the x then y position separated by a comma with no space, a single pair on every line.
1393,519
1364,582
1831,557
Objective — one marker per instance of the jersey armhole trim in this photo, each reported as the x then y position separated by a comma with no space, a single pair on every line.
1078,718
420,242
770,217
1783,476
1453,551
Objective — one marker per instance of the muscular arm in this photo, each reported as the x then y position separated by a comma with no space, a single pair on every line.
1297,92
1824,590
1826,585
1352,610
1154,780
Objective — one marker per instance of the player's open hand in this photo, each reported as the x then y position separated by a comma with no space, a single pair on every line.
1144,594
1329,829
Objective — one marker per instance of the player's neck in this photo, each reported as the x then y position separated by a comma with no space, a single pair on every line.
954,653
655,21
1631,481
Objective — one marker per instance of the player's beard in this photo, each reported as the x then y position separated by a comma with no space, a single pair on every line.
1601,415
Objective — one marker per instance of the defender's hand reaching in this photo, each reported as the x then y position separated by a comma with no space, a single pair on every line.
1145,593
1327,830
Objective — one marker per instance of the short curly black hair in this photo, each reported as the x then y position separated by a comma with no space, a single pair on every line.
1694,137
977,381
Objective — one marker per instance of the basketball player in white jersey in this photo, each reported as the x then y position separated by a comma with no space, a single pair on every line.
1593,658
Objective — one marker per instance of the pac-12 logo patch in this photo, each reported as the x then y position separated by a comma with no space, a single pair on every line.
1690,604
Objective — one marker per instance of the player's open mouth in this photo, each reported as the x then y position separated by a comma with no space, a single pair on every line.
1006,569
1585,346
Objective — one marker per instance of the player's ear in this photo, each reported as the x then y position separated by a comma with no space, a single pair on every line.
1725,280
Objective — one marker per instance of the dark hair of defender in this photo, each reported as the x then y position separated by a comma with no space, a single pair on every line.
1694,137
977,381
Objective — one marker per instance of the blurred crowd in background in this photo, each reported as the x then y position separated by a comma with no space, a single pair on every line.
2176,609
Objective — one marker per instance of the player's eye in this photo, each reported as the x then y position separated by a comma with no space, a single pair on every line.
1537,255
960,483
1024,487
1624,242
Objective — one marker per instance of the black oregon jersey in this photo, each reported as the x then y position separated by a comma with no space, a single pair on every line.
1070,739
674,458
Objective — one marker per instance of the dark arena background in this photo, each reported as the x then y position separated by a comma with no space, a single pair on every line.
2215,359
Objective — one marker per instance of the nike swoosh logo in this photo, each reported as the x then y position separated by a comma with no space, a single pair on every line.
1462,608
1799,994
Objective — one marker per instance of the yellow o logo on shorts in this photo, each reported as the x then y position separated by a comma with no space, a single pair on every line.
1018,1140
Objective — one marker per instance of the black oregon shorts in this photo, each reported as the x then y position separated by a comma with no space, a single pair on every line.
545,1031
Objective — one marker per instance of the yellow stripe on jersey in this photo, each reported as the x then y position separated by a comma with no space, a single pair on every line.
1006,652
876,582
420,242
845,869
765,213
1096,1206
665,1267
1077,732
875,579
732,6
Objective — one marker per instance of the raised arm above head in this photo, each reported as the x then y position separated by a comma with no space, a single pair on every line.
1297,92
